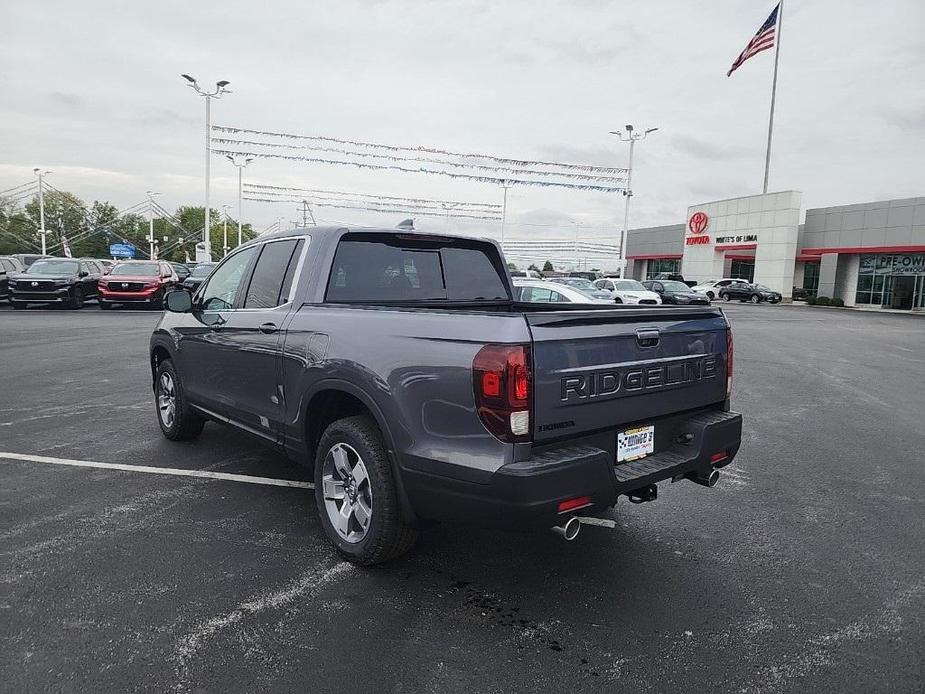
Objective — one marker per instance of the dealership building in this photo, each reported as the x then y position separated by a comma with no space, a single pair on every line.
869,254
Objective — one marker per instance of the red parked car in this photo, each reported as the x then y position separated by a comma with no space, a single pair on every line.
137,282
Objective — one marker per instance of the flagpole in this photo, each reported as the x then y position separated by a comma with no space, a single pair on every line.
780,31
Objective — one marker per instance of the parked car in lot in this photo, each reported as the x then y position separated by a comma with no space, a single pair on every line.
627,291
583,285
672,292
182,271
137,282
105,264
674,277
65,281
28,258
756,293
543,292
9,265
712,287
401,368
197,276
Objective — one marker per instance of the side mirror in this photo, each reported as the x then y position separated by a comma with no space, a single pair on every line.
179,301
82,273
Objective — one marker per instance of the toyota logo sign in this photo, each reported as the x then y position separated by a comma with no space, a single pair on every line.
698,222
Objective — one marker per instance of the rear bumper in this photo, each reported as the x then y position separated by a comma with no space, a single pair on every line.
528,493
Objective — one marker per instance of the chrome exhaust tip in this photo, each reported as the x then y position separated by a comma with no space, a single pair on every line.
708,481
568,530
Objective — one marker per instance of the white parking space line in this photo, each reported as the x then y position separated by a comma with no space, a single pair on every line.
250,479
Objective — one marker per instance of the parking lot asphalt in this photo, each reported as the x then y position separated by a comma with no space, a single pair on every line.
802,570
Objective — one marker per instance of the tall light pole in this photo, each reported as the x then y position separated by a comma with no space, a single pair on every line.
631,136
38,172
151,253
225,230
241,163
216,94
505,185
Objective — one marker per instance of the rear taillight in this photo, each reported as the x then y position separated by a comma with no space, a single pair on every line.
729,354
501,381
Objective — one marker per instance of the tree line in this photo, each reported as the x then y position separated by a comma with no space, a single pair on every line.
91,228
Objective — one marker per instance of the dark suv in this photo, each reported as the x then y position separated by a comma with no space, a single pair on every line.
67,281
8,266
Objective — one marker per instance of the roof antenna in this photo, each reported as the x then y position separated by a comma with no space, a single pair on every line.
408,224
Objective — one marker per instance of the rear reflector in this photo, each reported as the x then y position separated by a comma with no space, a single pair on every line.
729,359
576,503
717,457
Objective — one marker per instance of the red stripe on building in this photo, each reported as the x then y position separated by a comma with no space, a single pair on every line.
859,250
738,247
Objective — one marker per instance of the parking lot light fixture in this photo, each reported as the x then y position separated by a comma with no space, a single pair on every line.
241,162
631,136
225,230
220,88
152,254
40,173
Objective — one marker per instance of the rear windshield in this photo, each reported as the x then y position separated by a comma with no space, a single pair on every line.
375,268
201,270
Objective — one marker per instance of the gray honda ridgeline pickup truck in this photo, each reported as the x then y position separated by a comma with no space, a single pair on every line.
403,369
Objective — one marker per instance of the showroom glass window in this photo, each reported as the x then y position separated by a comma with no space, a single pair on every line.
664,265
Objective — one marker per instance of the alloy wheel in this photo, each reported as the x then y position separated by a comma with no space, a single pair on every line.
756,299
167,400
348,497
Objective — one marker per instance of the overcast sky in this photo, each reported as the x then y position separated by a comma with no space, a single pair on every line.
92,91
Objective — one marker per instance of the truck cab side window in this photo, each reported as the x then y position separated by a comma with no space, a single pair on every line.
266,286
222,287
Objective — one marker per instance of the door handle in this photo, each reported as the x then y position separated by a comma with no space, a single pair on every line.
268,328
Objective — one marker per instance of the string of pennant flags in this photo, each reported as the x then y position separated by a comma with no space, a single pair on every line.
425,160
369,208
497,180
427,150
312,192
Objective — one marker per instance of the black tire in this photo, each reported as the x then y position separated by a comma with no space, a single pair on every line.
158,303
387,535
725,297
755,299
711,296
618,300
19,305
185,423
105,305
77,301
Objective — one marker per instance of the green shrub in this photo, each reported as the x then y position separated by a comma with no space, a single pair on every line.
811,300
823,301
838,302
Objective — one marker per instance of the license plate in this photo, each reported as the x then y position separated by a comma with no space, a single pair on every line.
635,443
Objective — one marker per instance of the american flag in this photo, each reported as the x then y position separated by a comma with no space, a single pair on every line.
761,41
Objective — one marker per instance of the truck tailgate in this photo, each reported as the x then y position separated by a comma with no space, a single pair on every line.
595,370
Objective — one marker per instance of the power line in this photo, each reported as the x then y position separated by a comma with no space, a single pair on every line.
396,210
313,191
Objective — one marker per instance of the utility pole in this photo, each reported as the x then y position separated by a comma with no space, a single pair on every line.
152,254
216,94
225,230
241,164
631,136
307,214
38,172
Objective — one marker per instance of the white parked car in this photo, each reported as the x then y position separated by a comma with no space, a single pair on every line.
711,287
628,291
543,292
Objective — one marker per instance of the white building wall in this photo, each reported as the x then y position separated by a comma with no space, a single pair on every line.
773,219
846,278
